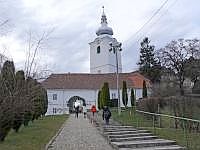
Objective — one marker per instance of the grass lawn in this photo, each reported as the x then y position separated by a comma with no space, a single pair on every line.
35,136
128,117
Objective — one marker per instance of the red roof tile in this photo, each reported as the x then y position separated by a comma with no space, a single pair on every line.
93,81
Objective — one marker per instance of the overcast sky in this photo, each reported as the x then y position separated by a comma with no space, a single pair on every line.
74,22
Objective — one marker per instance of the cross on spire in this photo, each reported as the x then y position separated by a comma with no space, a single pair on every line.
103,9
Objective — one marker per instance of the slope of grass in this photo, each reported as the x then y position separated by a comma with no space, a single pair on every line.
128,117
35,136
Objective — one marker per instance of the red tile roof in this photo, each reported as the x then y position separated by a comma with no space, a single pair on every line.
93,81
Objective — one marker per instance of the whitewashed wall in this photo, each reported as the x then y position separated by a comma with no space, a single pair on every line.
63,97
90,97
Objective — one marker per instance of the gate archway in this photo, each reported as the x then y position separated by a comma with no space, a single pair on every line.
72,100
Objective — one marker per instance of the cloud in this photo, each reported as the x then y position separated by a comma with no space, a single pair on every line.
75,23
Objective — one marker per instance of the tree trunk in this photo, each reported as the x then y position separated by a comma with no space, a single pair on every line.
181,87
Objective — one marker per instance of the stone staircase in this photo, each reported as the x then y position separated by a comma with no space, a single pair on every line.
129,138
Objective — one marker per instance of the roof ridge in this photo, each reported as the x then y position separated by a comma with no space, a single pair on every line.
92,73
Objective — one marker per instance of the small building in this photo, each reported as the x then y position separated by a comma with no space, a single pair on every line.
64,89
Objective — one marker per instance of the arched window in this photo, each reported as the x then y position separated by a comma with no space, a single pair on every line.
98,49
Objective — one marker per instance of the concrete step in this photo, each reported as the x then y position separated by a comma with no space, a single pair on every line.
143,143
116,126
133,138
120,129
170,147
128,138
126,132
129,135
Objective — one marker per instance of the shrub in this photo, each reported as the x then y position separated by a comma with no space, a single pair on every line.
150,104
124,94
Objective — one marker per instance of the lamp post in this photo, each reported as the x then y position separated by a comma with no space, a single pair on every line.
115,47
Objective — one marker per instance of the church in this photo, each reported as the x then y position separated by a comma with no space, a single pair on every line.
105,55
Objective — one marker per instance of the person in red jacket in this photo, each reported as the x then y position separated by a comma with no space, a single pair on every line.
93,109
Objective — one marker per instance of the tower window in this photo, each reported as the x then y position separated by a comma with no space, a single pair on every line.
98,49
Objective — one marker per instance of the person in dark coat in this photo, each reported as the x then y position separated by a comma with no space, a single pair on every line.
106,114
76,111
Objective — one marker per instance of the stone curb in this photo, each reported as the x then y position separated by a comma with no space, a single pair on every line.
48,145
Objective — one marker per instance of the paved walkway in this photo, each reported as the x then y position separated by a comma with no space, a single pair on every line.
79,134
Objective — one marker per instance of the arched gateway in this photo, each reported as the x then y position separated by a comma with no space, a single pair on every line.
72,100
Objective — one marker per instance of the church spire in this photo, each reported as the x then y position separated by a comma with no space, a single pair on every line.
103,17
104,29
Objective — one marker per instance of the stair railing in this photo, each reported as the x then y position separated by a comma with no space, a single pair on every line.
159,115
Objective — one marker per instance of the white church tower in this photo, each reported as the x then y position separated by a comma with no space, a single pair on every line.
102,60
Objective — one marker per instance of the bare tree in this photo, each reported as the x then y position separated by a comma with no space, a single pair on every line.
193,47
35,44
175,54
3,23
3,58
